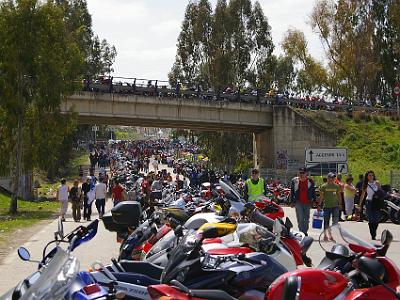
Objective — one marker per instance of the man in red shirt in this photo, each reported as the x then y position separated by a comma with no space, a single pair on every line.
302,194
117,193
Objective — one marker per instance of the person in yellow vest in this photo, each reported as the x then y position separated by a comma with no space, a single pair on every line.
255,187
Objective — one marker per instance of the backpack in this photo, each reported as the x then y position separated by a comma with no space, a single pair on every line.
378,198
73,193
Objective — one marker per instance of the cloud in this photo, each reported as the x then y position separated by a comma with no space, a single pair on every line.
145,32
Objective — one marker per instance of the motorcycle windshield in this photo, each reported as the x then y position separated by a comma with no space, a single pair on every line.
55,279
178,255
252,233
230,191
164,243
337,235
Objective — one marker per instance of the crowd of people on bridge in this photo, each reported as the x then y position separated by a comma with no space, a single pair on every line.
242,94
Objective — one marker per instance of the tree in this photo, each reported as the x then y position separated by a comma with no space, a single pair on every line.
385,14
312,75
98,56
346,29
231,46
284,73
221,68
39,65
108,55
262,65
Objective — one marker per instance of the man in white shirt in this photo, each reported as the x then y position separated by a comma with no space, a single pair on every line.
100,192
62,196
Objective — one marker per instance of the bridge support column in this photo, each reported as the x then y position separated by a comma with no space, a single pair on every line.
263,149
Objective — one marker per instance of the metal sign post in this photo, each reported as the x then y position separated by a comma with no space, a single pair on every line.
396,92
95,128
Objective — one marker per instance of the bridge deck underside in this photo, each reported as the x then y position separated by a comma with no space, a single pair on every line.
124,121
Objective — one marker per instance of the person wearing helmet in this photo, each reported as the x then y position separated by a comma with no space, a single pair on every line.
255,187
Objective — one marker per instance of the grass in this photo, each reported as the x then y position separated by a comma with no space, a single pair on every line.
48,189
373,141
29,213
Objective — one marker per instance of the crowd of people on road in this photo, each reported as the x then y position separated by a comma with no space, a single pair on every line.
127,167
338,199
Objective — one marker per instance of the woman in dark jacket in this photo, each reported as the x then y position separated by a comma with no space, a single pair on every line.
369,188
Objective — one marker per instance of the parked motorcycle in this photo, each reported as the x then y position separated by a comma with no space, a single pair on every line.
58,275
352,269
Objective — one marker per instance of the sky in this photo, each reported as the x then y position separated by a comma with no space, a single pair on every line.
145,32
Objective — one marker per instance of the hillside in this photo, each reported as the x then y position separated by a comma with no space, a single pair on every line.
373,141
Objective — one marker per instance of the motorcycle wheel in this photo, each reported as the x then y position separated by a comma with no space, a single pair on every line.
384,216
395,218
291,289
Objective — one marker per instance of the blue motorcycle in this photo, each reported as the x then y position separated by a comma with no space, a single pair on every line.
58,275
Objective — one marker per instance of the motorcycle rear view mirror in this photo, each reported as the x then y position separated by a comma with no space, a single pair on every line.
288,224
178,231
24,254
386,238
59,234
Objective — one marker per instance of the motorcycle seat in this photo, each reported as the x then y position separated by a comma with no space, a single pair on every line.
329,264
305,243
142,267
137,279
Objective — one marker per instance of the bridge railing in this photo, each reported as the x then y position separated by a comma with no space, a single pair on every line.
162,89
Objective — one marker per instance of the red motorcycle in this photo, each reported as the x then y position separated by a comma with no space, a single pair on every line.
181,292
270,208
352,269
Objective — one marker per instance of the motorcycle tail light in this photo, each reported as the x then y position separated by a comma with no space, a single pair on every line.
91,289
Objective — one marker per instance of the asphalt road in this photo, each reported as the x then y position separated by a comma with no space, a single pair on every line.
103,247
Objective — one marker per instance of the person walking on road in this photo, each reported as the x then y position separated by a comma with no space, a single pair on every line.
117,193
358,199
370,187
62,196
75,194
349,194
330,198
100,193
302,195
255,187
87,205
342,206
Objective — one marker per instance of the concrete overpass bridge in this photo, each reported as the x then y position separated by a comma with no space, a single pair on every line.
274,128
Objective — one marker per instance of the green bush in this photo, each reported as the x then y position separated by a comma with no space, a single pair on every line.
376,119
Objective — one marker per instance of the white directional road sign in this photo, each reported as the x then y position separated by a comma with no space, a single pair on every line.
328,155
